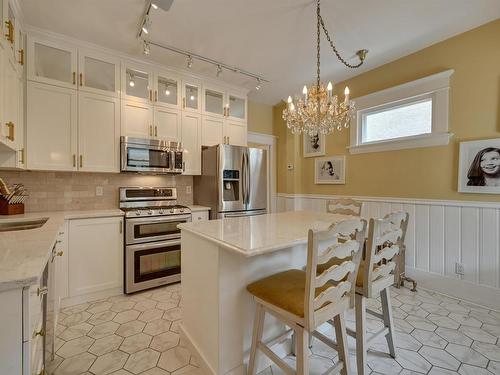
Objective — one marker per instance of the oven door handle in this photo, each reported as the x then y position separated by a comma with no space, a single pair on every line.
153,245
165,219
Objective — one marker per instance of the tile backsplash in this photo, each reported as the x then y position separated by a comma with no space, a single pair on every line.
58,191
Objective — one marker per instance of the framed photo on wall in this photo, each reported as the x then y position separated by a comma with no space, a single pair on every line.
329,170
479,167
314,145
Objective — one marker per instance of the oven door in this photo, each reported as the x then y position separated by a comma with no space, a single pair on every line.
152,264
156,228
145,158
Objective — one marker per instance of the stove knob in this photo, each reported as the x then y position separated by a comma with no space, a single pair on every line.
138,213
160,212
171,210
150,212
181,210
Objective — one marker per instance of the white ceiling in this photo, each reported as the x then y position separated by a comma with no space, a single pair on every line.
273,38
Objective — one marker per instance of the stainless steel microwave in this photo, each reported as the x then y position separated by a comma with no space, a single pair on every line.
150,156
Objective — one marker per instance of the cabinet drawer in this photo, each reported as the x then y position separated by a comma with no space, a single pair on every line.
199,216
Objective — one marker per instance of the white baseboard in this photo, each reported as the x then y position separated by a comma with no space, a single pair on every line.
76,300
477,294
188,341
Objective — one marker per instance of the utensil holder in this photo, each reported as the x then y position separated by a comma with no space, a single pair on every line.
11,209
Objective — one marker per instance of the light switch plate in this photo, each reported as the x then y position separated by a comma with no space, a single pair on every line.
188,189
99,191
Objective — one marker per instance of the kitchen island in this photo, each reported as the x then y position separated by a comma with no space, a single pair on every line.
219,259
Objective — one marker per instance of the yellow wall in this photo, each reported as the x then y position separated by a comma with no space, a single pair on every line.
417,173
260,118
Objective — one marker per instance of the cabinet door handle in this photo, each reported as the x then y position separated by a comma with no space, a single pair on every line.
21,56
228,141
74,78
74,160
42,291
224,139
10,31
22,156
150,130
184,166
10,125
156,95
183,102
156,131
150,95
81,161
81,79
40,333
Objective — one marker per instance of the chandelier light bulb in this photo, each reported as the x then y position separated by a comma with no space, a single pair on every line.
329,87
304,90
346,95
292,107
289,100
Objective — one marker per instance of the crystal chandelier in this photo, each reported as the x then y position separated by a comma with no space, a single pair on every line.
318,110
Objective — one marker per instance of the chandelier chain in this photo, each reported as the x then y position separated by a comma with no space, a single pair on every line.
318,48
337,53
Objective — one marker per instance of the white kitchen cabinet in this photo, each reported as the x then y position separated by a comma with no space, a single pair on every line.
200,216
235,133
236,105
167,90
51,141
137,83
11,87
191,95
212,130
167,124
136,119
95,255
99,73
191,143
52,62
214,99
98,133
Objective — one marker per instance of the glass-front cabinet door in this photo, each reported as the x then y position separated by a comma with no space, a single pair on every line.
137,83
167,90
236,106
98,73
213,101
52,62
191,95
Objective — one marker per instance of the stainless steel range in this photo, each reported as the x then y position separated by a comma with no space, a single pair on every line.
152,239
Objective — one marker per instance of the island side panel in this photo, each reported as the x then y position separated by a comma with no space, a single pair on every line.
237,307
200,296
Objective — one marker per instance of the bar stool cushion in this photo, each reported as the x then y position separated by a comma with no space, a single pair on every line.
285,290
336,261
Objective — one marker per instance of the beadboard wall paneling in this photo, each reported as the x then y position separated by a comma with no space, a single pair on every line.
440,234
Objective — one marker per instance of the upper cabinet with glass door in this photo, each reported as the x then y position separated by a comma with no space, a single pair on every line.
167,90
213,101
98,73
52,62
137,83
236,106
191,95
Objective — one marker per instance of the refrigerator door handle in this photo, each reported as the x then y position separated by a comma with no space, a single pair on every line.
249,177
243,179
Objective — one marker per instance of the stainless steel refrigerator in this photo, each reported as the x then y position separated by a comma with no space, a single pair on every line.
233,181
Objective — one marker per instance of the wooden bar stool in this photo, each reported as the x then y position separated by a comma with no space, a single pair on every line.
344,206
376,275
304,300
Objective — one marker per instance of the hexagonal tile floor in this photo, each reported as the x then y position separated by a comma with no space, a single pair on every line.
138,334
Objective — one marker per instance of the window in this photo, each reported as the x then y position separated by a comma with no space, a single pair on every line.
411,115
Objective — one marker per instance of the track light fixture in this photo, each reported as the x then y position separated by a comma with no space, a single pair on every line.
259,84
154,5
146,49
189,62
131,81
219,71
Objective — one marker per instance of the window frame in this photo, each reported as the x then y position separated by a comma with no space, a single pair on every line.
435,87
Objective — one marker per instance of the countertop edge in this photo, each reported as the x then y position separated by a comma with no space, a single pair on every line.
240,251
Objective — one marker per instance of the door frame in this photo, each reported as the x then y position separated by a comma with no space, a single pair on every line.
270,141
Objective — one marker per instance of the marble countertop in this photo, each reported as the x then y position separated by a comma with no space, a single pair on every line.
255,235
24,253
196,208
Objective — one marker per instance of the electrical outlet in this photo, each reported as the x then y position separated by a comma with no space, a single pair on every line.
459,269
188,189
99,191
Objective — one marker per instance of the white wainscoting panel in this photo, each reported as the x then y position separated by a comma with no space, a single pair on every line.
440,234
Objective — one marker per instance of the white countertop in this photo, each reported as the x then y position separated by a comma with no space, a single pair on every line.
255,235
24,253
196,208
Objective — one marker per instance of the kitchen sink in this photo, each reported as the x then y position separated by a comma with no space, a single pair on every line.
22,224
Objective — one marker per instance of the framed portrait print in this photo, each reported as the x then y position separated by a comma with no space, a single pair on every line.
314,145
329,170
479,167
